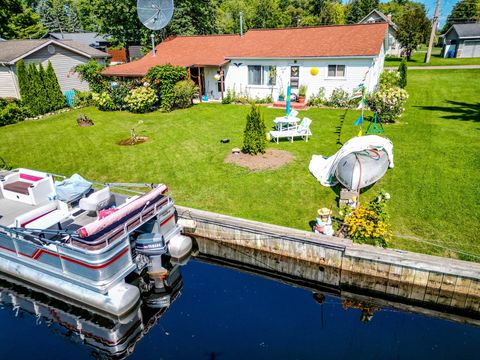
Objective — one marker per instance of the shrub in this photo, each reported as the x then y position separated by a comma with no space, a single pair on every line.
402,70
339,98
83,98
52,87
369,223
91,73
388,103
302,92
254,137
184,91
389,78
118,91
318,99
163,79
12,112
141,100
103,101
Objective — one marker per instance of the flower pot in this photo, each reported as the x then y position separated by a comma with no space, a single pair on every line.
301,100
281,98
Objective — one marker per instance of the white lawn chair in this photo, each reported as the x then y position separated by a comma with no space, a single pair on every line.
302,130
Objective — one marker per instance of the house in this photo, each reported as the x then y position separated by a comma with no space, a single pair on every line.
86,38
392,45
262,63
462,41
63,54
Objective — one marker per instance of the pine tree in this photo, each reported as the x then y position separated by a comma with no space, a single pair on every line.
402,69
54,91
23,82
254,140
34,89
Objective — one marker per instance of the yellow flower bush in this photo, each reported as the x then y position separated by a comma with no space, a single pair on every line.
369,223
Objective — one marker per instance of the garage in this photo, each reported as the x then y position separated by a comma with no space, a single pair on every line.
471,49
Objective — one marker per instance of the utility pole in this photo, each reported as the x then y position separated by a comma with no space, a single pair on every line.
432,34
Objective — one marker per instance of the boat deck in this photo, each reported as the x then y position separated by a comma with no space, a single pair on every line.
10,209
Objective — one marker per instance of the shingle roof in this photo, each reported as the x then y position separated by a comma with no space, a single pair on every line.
87,38
11,50
382,16
467,30
215,50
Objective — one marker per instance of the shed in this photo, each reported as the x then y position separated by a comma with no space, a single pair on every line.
63,54
462,41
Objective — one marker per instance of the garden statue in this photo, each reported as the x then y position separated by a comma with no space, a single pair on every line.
324,222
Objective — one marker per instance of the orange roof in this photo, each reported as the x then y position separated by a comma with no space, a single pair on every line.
216,50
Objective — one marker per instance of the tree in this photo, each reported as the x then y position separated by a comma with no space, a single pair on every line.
34,89
23,81
402,70
53,89
463,11
254,137
43,98
18,21
413,27
358,9
59,16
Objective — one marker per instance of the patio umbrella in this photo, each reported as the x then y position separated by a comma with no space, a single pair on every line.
289,94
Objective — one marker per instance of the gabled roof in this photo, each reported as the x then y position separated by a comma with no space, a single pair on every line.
87,38
13,50
359,40
466,31
381,15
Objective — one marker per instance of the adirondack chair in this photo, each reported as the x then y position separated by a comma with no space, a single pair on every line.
302,130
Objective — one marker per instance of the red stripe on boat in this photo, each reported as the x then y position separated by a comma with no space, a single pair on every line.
167,219
38,217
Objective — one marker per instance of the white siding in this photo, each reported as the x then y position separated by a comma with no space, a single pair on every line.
355,71
8,86
63,62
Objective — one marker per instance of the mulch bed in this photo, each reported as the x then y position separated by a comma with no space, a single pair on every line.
272,159
131,141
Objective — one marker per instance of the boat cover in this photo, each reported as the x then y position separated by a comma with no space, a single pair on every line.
72,189
323,168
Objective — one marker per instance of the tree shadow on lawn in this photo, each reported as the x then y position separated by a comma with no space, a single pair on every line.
458,111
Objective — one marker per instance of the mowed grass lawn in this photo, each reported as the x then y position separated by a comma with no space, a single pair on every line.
434,185
418,59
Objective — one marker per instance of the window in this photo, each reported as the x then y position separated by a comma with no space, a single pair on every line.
262,75
336,70
294,76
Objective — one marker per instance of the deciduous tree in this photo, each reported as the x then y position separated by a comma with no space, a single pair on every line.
413,27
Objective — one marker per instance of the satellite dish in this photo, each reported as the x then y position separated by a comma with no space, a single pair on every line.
155,14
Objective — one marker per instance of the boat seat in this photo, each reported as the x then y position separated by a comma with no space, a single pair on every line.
20,187
98,200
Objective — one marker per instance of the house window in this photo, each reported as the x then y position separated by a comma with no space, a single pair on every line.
262,75
336,70
294,76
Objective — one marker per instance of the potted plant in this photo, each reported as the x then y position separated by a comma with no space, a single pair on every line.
302,92
281,95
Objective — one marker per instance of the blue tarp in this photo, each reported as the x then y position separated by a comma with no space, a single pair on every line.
72,189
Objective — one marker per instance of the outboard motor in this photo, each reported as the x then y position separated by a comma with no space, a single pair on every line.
152,246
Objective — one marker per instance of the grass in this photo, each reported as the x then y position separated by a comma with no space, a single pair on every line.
418,58
434,184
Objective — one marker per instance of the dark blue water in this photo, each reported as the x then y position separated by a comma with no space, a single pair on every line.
225,314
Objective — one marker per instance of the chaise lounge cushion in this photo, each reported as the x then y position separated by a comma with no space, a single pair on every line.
20,187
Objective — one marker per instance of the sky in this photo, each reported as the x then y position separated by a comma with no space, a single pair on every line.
445,8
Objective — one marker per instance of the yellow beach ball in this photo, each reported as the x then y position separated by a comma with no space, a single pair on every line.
314,71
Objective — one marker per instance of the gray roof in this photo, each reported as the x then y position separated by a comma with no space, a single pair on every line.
381,15
14,50
87,38
467,30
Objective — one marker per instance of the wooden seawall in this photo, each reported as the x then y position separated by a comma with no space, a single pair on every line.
436,282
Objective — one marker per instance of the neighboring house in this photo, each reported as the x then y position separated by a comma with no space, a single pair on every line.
263,62
462,41
64,56
392,45
87,38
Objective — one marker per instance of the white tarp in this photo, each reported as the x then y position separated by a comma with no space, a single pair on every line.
323,168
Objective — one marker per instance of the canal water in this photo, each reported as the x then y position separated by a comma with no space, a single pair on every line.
220,313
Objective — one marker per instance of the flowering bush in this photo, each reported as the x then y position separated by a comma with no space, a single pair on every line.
141,100
389,78
318,99
369,223
103,101
388,102
340,98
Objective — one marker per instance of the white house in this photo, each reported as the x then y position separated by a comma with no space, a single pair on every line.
64,56
263,62
392,45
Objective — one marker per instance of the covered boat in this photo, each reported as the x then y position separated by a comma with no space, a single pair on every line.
82,245
359,163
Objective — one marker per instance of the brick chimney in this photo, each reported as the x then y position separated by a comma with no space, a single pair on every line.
389,17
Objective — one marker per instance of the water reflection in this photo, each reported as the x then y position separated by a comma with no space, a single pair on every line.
108,337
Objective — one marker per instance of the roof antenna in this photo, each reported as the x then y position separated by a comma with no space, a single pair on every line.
241,23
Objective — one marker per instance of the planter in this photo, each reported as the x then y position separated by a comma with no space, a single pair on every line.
281,98
301,100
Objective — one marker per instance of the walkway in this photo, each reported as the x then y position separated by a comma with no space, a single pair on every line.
438,67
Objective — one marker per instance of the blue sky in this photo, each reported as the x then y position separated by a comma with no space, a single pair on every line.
445,8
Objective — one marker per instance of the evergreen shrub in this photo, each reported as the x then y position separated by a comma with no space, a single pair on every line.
402,70
254,136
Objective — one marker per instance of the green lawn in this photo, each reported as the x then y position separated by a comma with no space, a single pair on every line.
435,60
434,184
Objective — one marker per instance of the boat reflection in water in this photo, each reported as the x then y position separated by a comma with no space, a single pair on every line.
109,337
